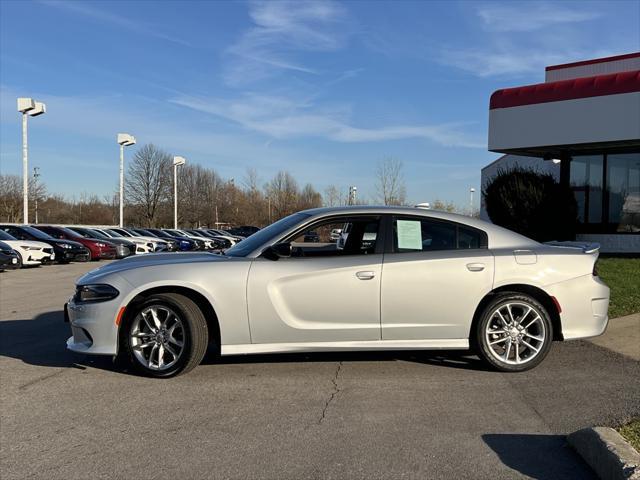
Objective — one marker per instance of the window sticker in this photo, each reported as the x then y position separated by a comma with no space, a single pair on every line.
409,234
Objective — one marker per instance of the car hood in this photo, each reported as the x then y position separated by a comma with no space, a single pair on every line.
60,241
27,243
151,260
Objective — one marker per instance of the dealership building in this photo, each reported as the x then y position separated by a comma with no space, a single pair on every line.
581,125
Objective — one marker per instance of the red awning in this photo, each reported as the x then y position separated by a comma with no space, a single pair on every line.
599,85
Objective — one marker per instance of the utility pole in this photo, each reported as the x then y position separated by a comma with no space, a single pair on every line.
36,174
352,195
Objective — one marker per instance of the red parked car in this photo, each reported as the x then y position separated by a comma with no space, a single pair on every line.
99,248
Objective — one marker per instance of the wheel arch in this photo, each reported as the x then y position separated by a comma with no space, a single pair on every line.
537,293
213,325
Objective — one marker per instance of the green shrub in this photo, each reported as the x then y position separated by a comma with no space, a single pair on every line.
532,204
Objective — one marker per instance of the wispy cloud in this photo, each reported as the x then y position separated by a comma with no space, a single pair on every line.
530,16
283,118
505,61
280,31
122,21
508,47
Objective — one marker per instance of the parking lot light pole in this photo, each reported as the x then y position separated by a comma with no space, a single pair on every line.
36,174
471,191
124,140
177,161
32,108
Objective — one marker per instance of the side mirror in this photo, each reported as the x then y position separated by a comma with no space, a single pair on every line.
274,252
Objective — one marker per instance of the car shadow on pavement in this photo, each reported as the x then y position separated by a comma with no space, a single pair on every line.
42,341
543,457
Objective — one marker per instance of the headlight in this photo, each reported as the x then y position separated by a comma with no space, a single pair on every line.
100,244
95,293
66,245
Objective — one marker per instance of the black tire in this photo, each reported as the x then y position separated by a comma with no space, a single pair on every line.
195,338
519,302
20,261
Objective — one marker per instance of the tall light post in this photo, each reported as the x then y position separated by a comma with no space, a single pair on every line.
32,108
353,190
124,140
471,191
177,161
36,174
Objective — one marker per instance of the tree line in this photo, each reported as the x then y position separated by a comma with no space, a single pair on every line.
204,197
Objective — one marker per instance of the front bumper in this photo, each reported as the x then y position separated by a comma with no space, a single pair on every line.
74,255
109,254
93,327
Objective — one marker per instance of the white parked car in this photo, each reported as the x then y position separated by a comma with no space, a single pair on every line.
209,244
405,278
143,244
30,252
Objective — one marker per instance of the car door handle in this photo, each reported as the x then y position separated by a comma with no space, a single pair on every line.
366,275
475,267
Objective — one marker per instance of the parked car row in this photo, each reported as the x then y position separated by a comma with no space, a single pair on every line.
34,245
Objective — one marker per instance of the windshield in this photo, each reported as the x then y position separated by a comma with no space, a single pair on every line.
249,244
5,236
70,232
37,233
113,233
95,234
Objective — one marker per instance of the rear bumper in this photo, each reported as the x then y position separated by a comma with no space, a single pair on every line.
585,304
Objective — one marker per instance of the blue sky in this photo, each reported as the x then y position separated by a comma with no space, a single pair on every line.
322,89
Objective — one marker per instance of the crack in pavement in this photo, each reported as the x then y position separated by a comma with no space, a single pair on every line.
336,389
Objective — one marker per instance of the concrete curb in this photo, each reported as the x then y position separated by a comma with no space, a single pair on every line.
607,453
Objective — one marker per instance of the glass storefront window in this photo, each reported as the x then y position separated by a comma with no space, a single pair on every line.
623,188
586,183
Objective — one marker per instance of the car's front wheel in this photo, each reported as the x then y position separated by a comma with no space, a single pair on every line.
166,336
514,333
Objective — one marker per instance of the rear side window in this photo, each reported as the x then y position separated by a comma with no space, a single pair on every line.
412,234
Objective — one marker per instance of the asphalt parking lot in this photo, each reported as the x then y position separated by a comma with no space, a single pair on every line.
369,415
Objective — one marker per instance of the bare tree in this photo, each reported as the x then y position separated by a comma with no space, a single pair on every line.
443,207
333,197
10,198
282,191
309,198
148,181
390,186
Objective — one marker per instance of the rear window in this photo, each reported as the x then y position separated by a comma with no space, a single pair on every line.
411,234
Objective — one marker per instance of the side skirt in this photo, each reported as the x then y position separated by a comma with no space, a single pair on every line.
434,344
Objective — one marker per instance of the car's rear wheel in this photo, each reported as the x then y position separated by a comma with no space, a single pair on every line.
514,333
166,336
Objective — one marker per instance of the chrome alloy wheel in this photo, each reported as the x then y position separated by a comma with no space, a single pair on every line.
157,337
515,333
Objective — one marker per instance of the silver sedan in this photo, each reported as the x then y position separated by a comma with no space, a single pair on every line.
399,279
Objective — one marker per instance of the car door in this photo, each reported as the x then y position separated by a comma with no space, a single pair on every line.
435,273
321,293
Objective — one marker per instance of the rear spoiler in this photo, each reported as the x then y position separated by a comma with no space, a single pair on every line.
586,247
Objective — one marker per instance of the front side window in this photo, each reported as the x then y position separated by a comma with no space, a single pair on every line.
337,236
412,234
